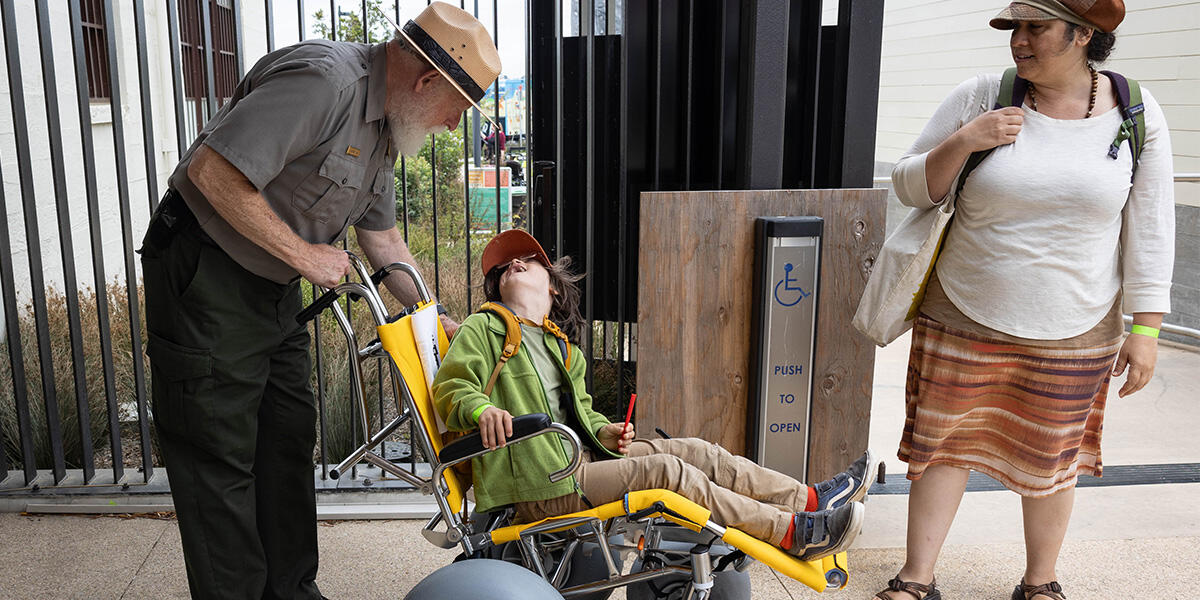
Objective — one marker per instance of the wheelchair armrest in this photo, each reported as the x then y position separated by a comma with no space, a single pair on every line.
524,427
465,446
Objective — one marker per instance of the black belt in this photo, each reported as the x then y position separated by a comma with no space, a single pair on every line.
171,218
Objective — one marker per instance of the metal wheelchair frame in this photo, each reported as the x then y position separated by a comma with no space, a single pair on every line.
642,529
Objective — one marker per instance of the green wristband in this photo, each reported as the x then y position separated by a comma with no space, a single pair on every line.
479,411
1144,330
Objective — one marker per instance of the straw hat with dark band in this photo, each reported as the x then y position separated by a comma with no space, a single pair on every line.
457,45
1102,15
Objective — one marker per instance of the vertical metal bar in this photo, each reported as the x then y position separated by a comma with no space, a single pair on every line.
496,113
300,18
476,145
63,205
468,125
209,52
176,74
99,279
270,10
764,82
32,236
365,28
622,212
527,91
412,439
320,359
148,142
558,130
333,20
437,263
135,334
657,66
589,153
860,33
13,333
687,104
3,456
721,94
237,39
404,194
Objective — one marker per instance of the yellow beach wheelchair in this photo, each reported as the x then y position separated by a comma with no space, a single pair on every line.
677,551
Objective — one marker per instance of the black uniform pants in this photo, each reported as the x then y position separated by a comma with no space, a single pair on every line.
235,416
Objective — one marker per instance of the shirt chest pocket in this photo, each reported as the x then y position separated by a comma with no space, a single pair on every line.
384,179
328,193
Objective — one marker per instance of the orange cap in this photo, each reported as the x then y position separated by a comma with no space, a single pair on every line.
511,244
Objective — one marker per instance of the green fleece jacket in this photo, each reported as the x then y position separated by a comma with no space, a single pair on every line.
514,473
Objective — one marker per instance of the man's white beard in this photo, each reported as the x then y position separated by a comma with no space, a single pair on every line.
407,135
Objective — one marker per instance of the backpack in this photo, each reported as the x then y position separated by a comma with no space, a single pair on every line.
512,339
512,343
1129,100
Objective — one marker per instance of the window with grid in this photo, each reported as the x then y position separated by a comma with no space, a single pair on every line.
192,50
95,44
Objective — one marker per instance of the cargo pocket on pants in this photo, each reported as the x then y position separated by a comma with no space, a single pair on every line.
180,375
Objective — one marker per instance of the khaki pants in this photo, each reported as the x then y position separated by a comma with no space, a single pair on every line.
739,492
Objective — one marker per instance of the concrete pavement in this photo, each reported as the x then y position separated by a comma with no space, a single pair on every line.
1139,541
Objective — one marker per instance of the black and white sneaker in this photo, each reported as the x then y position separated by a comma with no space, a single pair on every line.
850,485
824,532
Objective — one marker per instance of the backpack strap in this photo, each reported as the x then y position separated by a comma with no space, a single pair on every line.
1133,128
1012,93
512,339
1012,89
564,345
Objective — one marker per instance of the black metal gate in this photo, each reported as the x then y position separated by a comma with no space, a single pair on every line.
684,95
624,97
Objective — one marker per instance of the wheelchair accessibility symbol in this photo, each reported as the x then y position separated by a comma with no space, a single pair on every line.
792,293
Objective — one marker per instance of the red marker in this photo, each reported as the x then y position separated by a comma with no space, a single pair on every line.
629,413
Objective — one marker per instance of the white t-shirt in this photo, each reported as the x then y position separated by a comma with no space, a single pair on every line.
1049,228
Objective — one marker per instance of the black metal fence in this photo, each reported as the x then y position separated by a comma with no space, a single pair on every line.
76,414
621,97
682,95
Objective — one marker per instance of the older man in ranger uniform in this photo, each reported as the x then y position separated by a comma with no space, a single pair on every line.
304,149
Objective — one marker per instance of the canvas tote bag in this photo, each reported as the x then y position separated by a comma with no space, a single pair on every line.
894,291
900,273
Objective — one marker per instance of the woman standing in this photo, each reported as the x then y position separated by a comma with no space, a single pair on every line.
1020,329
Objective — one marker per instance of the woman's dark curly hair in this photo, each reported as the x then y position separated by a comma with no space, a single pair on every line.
564,307
1099,47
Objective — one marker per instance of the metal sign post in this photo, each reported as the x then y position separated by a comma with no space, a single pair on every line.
787,273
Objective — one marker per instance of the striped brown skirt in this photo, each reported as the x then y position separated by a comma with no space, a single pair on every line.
1028,416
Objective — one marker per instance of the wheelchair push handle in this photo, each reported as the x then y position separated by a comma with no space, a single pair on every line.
364,289
323,302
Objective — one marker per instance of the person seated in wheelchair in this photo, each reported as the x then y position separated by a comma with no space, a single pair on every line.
475,389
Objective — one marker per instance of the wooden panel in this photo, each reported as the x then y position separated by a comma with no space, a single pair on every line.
694,315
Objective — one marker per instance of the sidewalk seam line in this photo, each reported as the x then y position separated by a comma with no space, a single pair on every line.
146,558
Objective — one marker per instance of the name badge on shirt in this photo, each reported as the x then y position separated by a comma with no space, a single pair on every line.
352,151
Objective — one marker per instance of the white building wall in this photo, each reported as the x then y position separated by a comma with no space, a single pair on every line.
253,22
929,46
29,46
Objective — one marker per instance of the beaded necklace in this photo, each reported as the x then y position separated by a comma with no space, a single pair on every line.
1091,101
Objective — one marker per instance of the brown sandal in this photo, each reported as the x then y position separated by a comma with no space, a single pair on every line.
896,585
1051,590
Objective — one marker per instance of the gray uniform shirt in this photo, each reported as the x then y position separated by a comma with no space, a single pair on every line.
306,126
